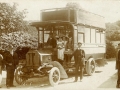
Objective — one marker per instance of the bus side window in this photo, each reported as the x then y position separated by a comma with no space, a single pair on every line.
80,37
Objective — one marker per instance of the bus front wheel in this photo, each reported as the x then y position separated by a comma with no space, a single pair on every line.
54,76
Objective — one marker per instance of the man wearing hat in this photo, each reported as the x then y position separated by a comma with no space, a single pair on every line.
79,56
11,60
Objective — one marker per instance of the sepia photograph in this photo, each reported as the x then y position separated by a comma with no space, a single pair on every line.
60,44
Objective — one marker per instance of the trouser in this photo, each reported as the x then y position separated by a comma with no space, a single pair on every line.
77,68
10,77
118,80
0,75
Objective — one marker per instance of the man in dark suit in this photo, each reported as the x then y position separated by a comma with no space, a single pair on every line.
79,56
11,60
118,65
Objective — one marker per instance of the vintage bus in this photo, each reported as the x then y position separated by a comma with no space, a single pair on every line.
81,25
75,23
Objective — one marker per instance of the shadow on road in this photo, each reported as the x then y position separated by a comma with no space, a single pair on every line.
110,83
98,71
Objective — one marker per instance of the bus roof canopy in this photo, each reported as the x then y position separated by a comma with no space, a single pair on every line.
42,24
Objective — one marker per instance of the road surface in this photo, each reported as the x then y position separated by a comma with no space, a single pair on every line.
103,78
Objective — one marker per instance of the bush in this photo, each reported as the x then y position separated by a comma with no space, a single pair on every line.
18,39
110,50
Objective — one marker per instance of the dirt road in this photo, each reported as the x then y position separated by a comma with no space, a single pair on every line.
103,78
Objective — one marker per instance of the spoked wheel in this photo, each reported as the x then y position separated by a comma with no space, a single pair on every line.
18,76
90,66
54,76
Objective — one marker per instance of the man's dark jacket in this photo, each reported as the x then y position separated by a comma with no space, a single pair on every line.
9,59
78,55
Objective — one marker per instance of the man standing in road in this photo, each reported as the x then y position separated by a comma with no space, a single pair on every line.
118,65
11,59
79,56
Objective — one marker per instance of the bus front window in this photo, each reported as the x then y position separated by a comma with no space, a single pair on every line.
47,39
48,36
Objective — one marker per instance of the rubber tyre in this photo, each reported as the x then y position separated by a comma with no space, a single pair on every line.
18,78
90,66
54,76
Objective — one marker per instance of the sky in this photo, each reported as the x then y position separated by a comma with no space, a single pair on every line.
109,9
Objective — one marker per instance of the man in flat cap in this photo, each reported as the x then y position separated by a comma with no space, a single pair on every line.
79,56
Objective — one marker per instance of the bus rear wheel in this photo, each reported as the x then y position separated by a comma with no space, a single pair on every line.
90,66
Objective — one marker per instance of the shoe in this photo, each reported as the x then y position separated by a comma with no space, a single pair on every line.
12,86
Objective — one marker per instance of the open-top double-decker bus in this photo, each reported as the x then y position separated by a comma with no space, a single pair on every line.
77,24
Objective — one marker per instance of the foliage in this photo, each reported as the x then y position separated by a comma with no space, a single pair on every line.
11,19
13,27
17,39
110,50
113,36
73,5
118,23
113,31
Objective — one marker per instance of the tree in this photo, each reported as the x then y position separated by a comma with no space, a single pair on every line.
11,19
112,34
113,31
13,27
73,5
110,50
118,23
